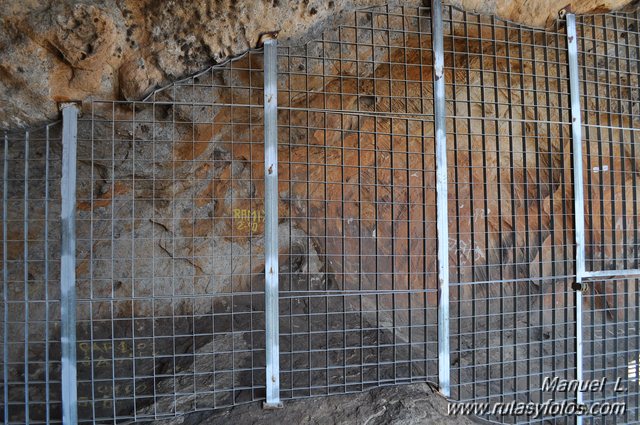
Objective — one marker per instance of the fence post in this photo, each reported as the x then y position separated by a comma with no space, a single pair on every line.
271,222
25,276
5,278
441,190
578,186
68,264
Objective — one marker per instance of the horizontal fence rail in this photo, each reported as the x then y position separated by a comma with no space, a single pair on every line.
443,198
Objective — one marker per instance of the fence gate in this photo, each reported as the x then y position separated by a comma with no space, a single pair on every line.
608,52
453,200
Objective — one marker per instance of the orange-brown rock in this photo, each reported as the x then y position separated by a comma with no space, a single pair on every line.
171,215
70,50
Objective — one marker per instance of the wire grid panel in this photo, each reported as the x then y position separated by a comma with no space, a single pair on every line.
612,347
31,168
358,297
510,210
608,54
171,248
608,47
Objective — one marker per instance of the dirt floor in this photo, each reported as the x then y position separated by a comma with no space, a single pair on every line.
404,404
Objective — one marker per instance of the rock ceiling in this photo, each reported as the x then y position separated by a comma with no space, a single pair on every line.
122,49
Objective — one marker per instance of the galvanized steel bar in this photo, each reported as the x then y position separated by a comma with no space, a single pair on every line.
611,273
46,275
578,188
441,189
271,222
576,134
25,273
68,264
5,278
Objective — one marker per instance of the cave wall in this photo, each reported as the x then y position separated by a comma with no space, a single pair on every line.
199,169
121,49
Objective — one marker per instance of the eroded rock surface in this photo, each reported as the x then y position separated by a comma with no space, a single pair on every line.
170,198
121,49
402,405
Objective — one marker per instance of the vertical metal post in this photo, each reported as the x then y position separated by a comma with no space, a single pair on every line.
68,264
5,277
578,187
46,276
576,134
25,275
271,222
441,190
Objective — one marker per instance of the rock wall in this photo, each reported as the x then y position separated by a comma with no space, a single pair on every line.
121,49
160,186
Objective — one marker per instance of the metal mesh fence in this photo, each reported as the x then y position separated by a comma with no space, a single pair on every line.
612,343
170,248
31,167
510,209
608,48
170,258
359,288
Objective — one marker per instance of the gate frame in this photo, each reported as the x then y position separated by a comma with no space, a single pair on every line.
578,188
582,274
